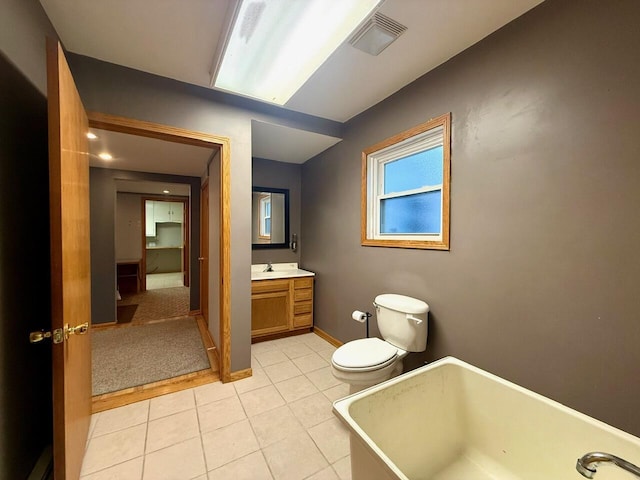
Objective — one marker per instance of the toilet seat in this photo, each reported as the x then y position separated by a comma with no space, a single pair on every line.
364,355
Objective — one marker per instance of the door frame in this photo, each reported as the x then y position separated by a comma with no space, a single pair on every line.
186,238
189,137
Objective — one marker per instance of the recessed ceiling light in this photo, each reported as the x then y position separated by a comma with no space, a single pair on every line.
105,156
276,45
91,136
165,191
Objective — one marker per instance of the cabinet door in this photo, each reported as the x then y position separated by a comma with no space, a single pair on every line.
176,211
149,219
269,312
162,211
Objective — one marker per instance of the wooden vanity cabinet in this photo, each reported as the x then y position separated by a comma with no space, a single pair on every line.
281,305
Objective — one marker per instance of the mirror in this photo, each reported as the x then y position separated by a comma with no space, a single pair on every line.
270,218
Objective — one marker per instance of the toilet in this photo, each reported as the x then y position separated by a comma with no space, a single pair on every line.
402,322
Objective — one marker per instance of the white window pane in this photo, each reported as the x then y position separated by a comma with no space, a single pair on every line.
415,171
419,213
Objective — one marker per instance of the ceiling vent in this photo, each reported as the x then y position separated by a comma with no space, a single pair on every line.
376,34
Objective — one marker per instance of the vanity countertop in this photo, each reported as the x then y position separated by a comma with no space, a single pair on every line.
280,270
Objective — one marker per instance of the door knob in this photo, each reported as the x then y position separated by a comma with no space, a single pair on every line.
77,330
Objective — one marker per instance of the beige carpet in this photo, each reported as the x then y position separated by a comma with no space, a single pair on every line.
129,356
158,304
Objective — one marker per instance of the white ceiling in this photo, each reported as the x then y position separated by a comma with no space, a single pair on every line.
179,39
144,154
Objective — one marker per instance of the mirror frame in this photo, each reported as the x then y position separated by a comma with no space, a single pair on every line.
285,244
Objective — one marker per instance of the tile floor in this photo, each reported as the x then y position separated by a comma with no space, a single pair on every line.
164,280
276,425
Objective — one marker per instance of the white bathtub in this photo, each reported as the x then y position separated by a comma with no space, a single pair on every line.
452,421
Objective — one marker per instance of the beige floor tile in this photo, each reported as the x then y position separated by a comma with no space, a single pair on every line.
327,353
294,458
220,414
167,431
270,357
258,379
171,403
312,410
343,468
251,467
92,425
337,392
316,343
332,438
121,418
323,378
282,371
262,347
296,388
275,425
229,443
114,448
202,477
295,350
130,470
326,474
261,400
309,363
184,460
212,392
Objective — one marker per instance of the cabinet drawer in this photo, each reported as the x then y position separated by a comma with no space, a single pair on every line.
302,307
305,320
262,286
301,294
306,282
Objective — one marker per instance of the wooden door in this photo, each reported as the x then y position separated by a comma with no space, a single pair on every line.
204,251
70,267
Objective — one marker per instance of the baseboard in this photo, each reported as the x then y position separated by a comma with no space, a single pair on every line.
103,325
322,334
240,374
212,351
120,398
193,313
44,466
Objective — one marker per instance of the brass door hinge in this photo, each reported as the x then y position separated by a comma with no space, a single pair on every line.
57,336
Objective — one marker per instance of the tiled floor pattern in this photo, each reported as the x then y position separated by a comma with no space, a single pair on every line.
276,425
164,280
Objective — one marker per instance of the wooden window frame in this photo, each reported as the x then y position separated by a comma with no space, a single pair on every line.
369,215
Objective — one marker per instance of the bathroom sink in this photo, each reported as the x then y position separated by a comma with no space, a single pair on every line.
451,421
280,270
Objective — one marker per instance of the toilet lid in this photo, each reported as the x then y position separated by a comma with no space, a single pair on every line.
364,354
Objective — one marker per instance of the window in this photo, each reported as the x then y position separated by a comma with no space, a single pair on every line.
405,188
265,217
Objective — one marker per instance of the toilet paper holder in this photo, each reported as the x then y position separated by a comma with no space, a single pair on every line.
363,317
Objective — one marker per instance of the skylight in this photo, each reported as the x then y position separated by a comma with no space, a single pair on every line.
276,45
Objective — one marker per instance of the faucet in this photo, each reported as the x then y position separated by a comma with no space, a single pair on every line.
588,464
268,268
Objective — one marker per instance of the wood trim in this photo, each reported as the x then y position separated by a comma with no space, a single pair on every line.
195,313
189,137
225,261
240,374
324,335
103,326
445,122
209,345
276,336
111,400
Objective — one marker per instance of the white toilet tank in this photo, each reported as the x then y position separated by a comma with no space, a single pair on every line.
402,321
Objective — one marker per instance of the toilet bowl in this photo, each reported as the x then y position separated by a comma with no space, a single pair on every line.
402,322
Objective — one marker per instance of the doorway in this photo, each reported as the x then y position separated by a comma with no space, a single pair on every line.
171,134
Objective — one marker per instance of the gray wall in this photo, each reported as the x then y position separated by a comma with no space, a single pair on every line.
122,91
128,226
103,250
540,285
214,248
268,173
25,274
